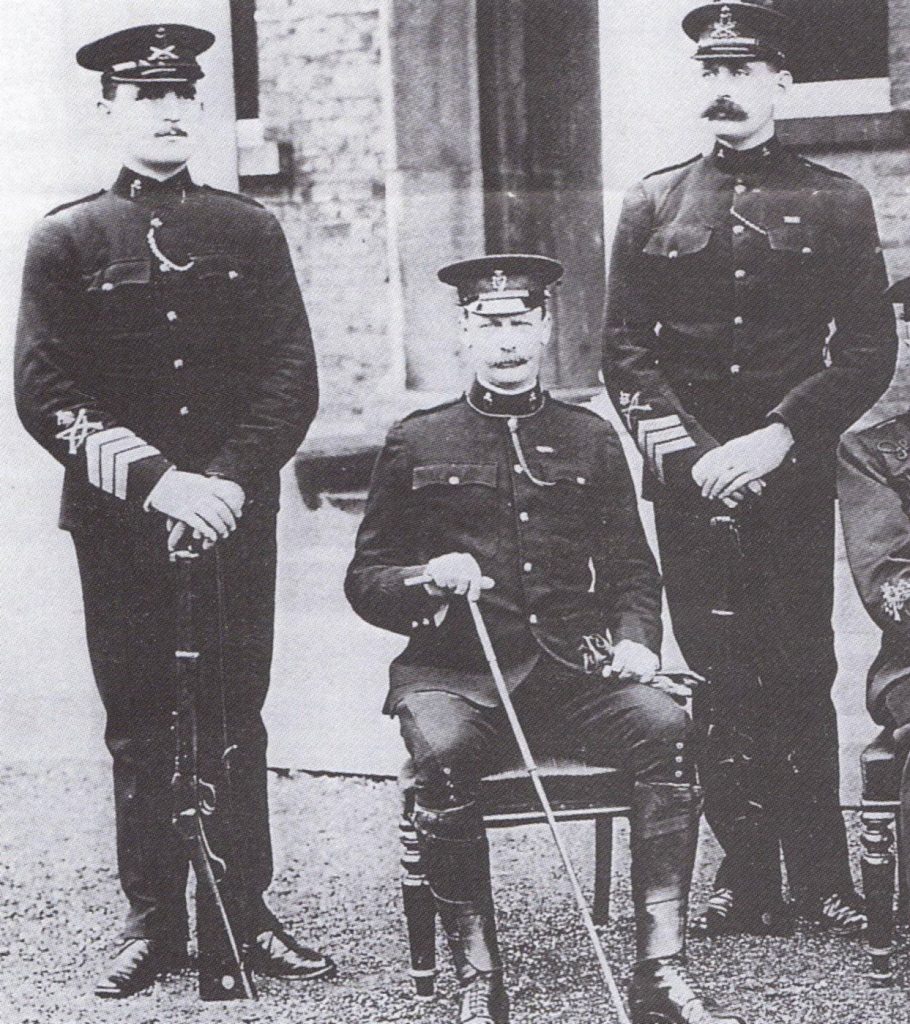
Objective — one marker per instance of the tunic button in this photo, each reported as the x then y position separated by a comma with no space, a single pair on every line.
532,619
678,775
232,274
740,188
738,321
740,274
184,410
738,229
680,746
735,368
518,469
581,479
163,267
107,287
523,516
178,364
454,480
415,624
171,315
156,222
678,760
528,567
673,253
807,250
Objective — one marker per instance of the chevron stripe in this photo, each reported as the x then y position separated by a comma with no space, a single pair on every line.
664,448
646,427
122,462
657,437
109,453
93,445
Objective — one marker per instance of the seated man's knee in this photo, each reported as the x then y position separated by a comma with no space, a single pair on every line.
445,766
664,748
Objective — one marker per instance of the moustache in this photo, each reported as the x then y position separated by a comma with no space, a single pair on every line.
726,110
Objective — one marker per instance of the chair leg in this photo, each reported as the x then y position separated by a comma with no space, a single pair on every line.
878,884
603,869
419,912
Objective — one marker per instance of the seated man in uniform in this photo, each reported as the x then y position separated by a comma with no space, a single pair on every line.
874,492
508,484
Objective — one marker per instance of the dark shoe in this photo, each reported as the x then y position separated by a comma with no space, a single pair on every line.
661,992
136,966
277,954
725,915
483,1000
842,914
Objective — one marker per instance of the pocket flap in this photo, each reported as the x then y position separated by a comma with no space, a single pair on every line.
132,272
799,238
453,474
678,240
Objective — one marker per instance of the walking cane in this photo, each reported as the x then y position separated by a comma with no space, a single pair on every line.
534,772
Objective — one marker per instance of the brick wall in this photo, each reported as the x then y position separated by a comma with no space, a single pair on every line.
321,91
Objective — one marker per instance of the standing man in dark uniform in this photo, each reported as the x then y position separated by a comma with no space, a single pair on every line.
165,359
509,484
727,272
874,491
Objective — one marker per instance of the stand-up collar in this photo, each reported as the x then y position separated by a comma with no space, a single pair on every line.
745,161
133,185
495,403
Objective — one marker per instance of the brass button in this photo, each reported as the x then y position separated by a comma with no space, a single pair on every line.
740,188
107,287
673,253
518,469
735,368
738,321
184,410
233,275
532,619
738,229
527,567
523,516
171,315
454,480
178,364
807,250
581,479
739,274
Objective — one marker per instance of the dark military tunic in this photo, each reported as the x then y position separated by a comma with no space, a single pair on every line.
161,325
874,491
727,275
553,521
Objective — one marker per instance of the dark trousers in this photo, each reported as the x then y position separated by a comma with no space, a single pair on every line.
129,592
770,767
453,743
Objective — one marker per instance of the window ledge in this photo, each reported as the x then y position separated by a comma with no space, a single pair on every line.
847,131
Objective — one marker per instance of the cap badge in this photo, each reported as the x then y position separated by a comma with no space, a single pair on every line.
158,54
500,281
725,27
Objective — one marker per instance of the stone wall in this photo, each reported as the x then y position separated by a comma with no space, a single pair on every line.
321,92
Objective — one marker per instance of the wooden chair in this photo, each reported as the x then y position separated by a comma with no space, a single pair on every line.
881,776
577,792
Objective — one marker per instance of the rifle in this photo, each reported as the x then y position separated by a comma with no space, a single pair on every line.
202,759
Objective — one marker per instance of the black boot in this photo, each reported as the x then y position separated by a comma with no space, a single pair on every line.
664,837
662,993
471,931
455,855
137,965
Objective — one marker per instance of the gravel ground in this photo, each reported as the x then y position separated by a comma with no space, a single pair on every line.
336,857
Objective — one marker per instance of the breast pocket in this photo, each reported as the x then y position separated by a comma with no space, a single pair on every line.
122,300
221,289
458,507
676,242
573,514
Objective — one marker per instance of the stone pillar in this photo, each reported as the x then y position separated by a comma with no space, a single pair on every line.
434,179
899,52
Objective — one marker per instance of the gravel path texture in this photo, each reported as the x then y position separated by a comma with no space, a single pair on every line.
336,885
